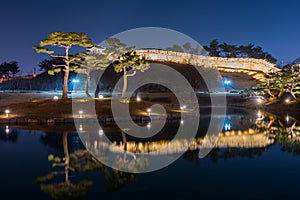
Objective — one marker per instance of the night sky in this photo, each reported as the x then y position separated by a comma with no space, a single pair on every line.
274,25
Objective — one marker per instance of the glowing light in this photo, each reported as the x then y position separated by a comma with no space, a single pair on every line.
259,100
7,112
287,100
259,114
75,81
138,99
183,107
55,98
227,126
100,132
149,125
100,96
80,127
80,113
149,111
6,130
227,82
287,118
181,122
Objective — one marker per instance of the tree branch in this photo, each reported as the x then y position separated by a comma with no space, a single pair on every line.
53,56
132,74
58,65
58,165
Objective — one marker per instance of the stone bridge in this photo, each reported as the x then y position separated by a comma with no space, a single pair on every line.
251,66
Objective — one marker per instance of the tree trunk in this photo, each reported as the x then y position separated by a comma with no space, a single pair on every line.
292,91
88,77
269,92
67,158
124,140
124,83
294,96
65,86
66,75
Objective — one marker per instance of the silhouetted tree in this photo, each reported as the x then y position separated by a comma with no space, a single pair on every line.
47,65
9,69
213,48
175,48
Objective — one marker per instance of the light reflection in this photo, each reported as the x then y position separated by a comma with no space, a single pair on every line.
259,114
259,100
149,125
80,127
100,132
6,129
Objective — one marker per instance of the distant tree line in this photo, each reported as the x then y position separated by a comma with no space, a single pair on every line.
187,48
217,49
8,69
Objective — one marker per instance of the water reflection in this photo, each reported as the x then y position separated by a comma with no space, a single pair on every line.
62,189
285,131
248,136
81,161
8,134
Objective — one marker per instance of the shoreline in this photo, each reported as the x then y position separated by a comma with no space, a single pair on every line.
39,109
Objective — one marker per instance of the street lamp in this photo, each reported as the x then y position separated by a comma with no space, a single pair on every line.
55,98
7,112
182,107
80,113
227,82
149,111
259,100
287,100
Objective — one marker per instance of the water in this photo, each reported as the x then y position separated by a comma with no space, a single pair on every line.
267,168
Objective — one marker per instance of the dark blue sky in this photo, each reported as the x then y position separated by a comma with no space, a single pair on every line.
274,25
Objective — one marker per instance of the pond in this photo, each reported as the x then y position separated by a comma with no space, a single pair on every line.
256,156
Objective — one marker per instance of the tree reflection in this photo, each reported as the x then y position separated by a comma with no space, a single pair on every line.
63,189
285,131
80,161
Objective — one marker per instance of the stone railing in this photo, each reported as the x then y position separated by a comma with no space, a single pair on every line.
250,64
